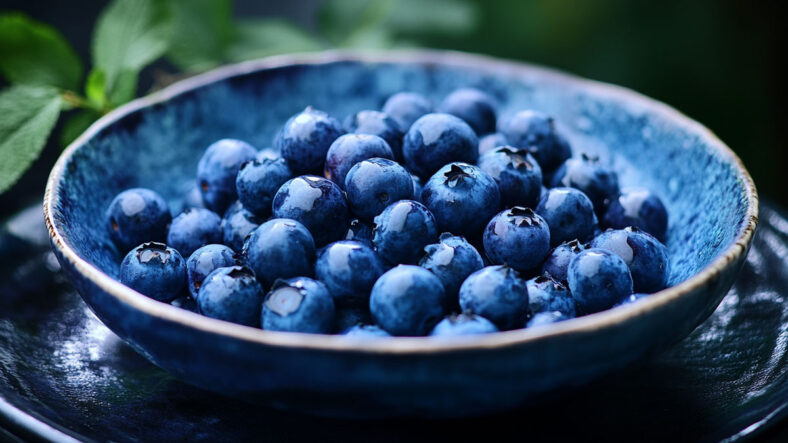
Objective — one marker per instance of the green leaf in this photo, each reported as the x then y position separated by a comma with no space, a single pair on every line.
27,116
346,22
263,37
432,17
96,87
202,31
36,54
76,124
129,35
125,88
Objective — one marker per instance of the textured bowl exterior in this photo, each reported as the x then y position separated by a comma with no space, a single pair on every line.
156,142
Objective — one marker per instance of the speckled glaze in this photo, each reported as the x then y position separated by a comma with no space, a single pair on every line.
713,218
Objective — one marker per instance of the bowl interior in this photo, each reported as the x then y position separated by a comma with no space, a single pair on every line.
157,144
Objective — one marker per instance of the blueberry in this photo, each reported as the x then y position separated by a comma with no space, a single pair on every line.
477,108
379,124
218,169
231,294
407,300
498,294
452,260
298,305
258,181
192,199
348,269
437,139
598,279
206,260
536,132
569,213
347,317
268,153
237,224
136,216
418,186
406,107
366,331
640,208
280,248
590,176
546,318
557,262
463,324
646,257
193,228
491,141
305,138
375,183
402,230
359,231
462,198
517,174
350,149
546,295
517,237
632,298
316,202
155,270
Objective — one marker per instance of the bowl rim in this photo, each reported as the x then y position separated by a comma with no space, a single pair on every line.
394,345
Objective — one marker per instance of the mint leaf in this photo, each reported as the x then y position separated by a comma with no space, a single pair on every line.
202,31
263,37
96,87
347,22
76,124
125,88
36,54
432,17
27,116
129,35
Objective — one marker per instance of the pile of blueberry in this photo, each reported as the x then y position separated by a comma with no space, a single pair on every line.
399,222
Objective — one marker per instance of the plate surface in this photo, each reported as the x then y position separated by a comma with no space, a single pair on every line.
64,373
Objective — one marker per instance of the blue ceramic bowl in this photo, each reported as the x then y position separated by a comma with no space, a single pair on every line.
156,142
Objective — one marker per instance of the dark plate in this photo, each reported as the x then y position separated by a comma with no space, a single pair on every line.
62,373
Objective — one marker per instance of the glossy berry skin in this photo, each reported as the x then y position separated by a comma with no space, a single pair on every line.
366,331
490,142
402,231
547,295
305,138
557,262
517,237
237,224
437,139
267,153
462,198
418,186
316,202
536,132
217,171
193,228
569,213
477,108
348,150
258,181
498,294
640,208
587,174
359,231
463,324
192,199
136,216
375,183
406,107
206,260
279,248
379,124
632,298
348,269
452,260
546,318
231,294
646,257
598,279
347,317
517,174
154,269
298,305
407,300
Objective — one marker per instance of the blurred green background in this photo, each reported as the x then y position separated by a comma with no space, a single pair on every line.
716,61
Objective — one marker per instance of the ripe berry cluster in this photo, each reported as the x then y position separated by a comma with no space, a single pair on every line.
399,222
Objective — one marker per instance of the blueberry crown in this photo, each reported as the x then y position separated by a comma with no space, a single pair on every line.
526,216
517,157
455,175
240,272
